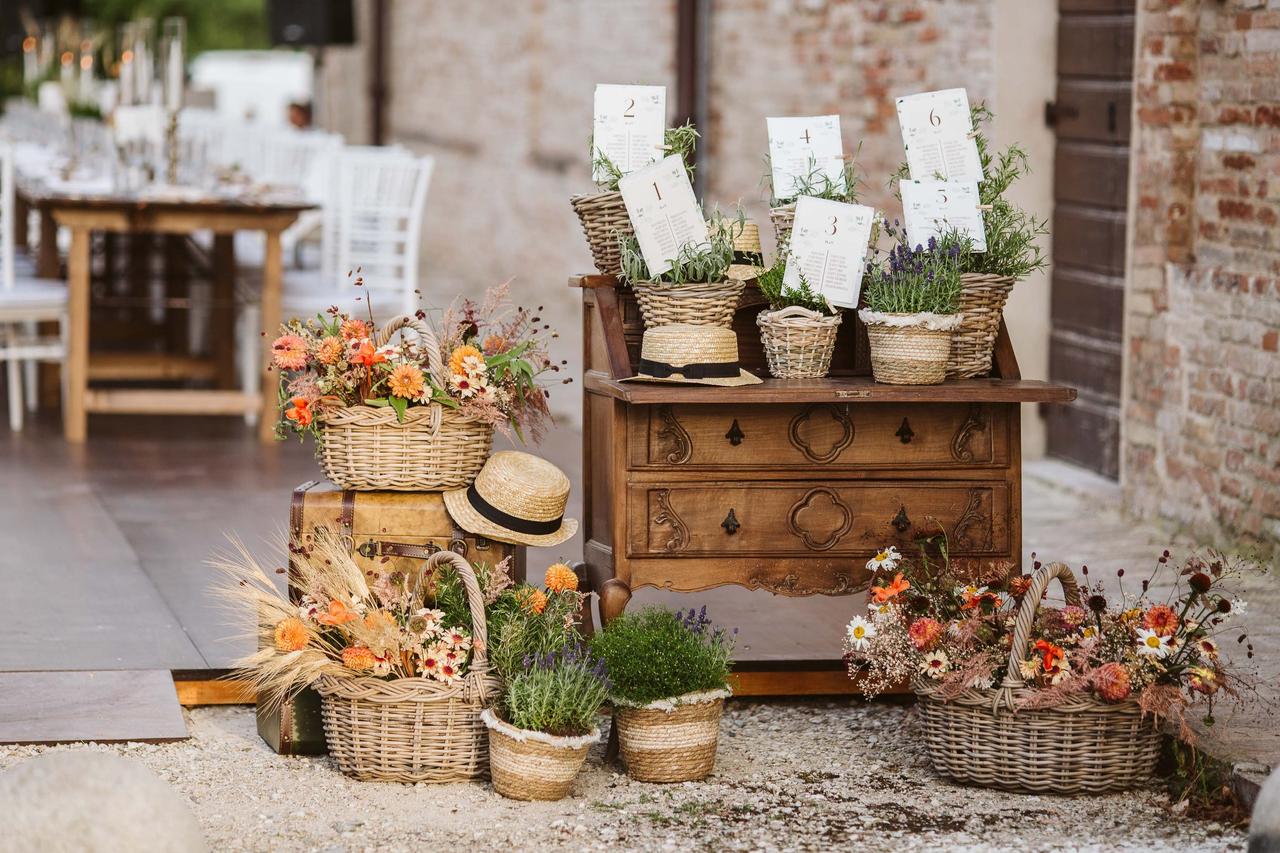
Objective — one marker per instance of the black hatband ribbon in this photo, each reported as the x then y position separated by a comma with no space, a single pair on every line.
509,521
702,370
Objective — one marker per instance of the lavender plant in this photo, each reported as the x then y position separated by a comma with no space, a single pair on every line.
559,693
655,654
924,279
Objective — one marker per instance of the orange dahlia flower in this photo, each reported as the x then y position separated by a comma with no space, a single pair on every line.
329,350
457,359
291,635
533,600
1161,619
289,352
352,330
407,381
358,658
561,578
925,633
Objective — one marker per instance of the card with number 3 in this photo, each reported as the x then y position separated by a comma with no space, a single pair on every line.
829,241
937,133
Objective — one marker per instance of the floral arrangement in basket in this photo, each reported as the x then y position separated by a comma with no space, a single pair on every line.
490,358
927,623
697,288
799,328
912,299
670,677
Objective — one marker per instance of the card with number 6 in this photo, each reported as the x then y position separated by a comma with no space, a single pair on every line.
937,133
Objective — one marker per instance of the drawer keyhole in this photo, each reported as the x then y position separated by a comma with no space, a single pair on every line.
905,433
900,521
730,523
735,434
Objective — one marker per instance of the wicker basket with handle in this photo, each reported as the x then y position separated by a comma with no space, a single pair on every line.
695,304
798,342
414,729
1080,745
604,217
367,448
982,299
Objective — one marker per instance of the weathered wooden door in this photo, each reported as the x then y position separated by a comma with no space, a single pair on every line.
1090,117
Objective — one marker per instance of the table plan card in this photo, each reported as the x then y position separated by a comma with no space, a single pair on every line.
932,207
803,148
937,135
829,248
663,211
630,122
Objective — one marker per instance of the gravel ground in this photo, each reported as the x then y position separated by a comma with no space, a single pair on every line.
791,775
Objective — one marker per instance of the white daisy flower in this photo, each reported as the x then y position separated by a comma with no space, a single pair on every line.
935,664
860,632
982,682
381,666
1151,644
887,560
1029,668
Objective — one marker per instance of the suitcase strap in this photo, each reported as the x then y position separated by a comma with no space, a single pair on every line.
414,550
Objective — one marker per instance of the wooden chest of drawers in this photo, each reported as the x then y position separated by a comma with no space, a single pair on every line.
789,486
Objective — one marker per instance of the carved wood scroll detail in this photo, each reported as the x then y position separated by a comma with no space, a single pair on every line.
667,517
790,584
840,414
820,519
972,529
673,438
973,423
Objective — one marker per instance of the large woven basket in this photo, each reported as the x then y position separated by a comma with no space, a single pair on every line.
783,218
671,743
367,448
798,342
604,218
414,729
982,299
907,353
528,765
697,304
1079,746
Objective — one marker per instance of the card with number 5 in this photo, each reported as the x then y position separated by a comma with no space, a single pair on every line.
937,133
931,207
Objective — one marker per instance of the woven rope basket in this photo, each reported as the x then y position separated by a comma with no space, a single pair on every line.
367,448
782,219
533,769
414,729
677,745
696,304
798,342
908,355
982,299
604,218
1080,746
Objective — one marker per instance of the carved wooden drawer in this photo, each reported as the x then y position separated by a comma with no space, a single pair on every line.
734,519
817,435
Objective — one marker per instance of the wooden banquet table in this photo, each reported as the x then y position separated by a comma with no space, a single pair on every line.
172,215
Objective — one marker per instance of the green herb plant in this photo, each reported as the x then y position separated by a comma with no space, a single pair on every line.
1012,233
779,295
924,279
694,263
518,633
681,140
559,693
654,654
816,183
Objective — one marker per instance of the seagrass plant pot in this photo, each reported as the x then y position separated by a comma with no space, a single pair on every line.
982,300
798,342
604,219
711,303
909,349
414,729
1079,745
529,765
671,740
368,448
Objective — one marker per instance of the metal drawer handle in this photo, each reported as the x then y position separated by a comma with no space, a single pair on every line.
905,433
735,434
730,523
901,521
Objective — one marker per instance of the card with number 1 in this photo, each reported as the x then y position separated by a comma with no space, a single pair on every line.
663,210
630,122
937,133
829,241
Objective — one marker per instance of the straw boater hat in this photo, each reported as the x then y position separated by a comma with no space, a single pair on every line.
680,352
518,498
748,257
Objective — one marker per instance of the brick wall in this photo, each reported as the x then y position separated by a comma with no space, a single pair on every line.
1201,421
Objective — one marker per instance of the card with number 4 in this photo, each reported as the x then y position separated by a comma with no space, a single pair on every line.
630,123
804,151
937,134
931,208
829,241
663,210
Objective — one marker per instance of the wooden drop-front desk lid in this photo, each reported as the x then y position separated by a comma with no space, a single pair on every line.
836,389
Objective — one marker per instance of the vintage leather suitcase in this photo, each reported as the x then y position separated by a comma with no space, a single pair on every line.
404,527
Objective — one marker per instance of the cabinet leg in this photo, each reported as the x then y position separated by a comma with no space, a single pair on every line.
614,595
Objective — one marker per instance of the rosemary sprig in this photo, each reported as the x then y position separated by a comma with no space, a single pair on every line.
816,183
694,263
682,140
780,295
